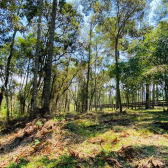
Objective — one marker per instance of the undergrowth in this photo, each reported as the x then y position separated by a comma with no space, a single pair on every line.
103,139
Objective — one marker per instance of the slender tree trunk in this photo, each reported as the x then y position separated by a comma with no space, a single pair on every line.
88,71
76,104
96,78
127,97
8,67
166,89
139,99
166,81
7,104
147,97
69,102
1,95
99,98
135,99
153,95
132,102
118,97
109,98
25,90
11,104
66,102
157,93
47,78
142,93
91,93
91,99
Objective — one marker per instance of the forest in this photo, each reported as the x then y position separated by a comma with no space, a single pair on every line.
83,83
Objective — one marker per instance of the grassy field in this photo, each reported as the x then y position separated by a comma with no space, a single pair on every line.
137,138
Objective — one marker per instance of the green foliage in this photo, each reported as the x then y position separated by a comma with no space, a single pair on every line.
59,118
22,163
3,109
150,53
39,123
68,162
36,141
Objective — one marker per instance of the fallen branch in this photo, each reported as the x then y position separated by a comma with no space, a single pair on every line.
149,160
156,132
113,161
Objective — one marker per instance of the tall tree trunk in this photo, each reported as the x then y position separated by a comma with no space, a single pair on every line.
7,104
109,98
147,97
47,78
96,78
91,92
142,92
88,71
25,90
166,88
127,99
8,67
76,101
132,102
157,93
118,97
153,95
69,101
66,101
166,81
37,57
1,95
11,103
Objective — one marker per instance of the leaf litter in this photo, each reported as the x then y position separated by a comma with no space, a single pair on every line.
46,137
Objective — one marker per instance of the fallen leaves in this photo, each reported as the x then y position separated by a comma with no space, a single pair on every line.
103,147
113,162
127,152
97,140
150,163
115,140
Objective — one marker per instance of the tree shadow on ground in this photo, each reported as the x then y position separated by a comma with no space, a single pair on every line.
99,124
15,124
103,122
129,156
21,163
79,128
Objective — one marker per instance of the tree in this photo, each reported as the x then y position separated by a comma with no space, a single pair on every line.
161,12
37,57
12,12
47,78
123,17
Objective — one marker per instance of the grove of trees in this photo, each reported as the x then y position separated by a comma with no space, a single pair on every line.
58,56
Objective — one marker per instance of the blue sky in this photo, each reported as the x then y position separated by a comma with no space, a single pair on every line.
154,4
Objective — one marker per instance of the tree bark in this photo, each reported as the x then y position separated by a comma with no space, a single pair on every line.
147,97
118,97
37,58
153,95
25,90
96,78
88,71
8,67
7,104
127,99
47,78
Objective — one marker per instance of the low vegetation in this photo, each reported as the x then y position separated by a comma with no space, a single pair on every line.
137,138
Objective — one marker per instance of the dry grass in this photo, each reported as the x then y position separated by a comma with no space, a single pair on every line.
108,139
